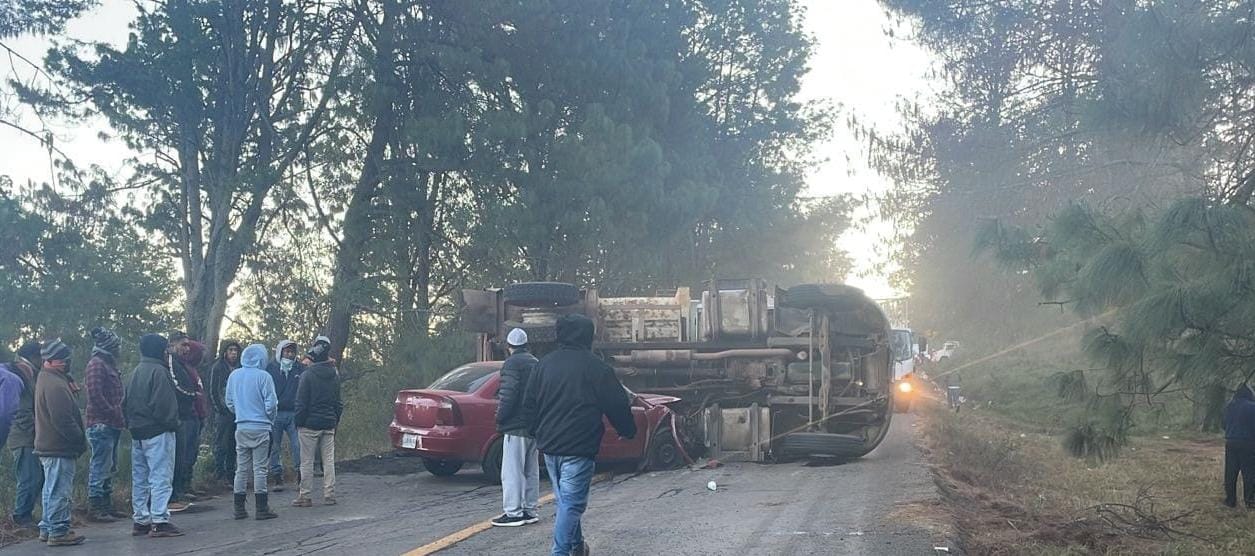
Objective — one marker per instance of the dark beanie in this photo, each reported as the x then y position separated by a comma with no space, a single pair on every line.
55,350
153,345
29,350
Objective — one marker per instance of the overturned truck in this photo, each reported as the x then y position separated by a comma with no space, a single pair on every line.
761,373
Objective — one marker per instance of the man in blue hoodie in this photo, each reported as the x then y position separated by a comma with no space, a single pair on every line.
251,397
286,371
1239,447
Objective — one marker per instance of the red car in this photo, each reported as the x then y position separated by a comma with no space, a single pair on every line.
453,422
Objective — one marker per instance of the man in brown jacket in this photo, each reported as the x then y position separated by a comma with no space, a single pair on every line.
59,440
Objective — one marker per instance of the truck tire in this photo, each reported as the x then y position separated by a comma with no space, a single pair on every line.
536,333
540,294
492,461
821,296
805,444
441,467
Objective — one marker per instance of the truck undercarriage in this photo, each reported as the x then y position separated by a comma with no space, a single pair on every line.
762,373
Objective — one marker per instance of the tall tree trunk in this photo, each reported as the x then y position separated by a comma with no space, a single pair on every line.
357,226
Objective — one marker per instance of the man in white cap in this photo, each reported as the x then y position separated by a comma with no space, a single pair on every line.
520,465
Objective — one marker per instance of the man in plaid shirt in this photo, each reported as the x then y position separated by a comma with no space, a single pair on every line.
104,423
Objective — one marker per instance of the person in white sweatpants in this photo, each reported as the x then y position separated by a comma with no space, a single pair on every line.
520,461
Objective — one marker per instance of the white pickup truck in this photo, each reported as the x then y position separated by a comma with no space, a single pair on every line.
947,351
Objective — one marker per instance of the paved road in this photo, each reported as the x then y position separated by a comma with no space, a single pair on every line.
882,504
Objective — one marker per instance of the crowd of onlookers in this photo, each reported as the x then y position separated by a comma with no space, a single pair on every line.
255,401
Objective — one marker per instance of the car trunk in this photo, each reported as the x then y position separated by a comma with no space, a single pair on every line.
423,410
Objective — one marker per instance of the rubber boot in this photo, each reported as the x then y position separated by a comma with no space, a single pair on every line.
98,510
263,507
240,511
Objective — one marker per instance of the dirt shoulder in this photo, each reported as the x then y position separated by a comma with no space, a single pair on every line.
1013,490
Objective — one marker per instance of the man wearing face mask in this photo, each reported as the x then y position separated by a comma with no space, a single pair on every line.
59,440
286,371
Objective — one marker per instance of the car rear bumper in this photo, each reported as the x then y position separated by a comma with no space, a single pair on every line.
444,443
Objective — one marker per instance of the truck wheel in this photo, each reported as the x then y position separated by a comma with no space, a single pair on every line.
822,296
663,454
536,333
441,467
804,444
492,461
540,294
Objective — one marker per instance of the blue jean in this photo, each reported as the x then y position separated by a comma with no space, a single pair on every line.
571,477
29,475
152,472
285,424
104,460
58,488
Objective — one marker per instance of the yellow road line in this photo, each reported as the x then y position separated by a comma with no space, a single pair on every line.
450,540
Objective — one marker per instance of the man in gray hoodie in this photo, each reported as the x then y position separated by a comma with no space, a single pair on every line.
251,397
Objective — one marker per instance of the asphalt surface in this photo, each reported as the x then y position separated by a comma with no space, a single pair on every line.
884,503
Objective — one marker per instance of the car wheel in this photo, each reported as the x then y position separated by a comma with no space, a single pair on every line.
540,294
441,467
663,453
804,444
492,461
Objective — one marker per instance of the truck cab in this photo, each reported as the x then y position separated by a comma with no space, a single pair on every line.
907,348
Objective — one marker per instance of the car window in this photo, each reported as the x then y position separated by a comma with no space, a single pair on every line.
464,379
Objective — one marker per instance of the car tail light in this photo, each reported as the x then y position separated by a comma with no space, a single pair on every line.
447,412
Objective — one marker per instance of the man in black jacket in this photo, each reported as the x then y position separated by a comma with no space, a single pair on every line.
1239,447
569,392
286,372
151,406
520,466
318,410
224,420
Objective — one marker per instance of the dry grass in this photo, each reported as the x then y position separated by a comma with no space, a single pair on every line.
1014,490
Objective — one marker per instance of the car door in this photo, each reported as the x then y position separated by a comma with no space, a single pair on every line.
614,448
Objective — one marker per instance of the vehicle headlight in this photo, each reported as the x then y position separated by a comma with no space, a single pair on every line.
904,387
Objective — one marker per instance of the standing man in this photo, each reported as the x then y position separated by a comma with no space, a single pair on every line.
520,465
104,423
27,472
151,408
59,440
1239,448
10,397
224,420
251,397
185,356
318,410
285,371
569,392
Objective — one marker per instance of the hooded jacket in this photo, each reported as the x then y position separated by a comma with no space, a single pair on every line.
251,392
218,377
151,404
318,404
22,435
59,431
1239,416
191,392
569,392
285,385
516,371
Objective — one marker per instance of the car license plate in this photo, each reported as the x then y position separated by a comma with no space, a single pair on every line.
411,441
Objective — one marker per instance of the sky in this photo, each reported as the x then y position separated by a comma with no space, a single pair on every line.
855,65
